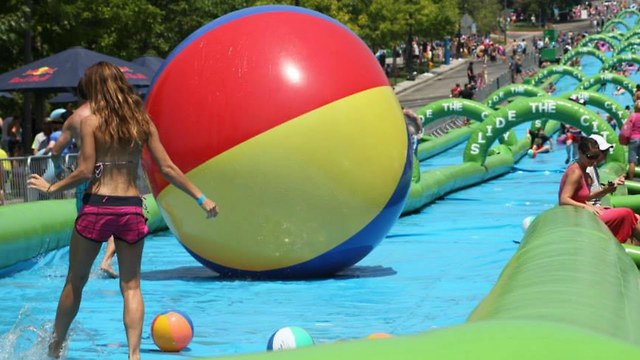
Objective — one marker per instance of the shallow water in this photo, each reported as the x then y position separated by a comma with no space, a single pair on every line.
430,272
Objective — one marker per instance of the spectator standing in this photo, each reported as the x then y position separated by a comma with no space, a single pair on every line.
471,76
41,140
414,128
15,136
57,118
483,77
612,122
636,94
5,133
381,55
634,142
5,170
519,70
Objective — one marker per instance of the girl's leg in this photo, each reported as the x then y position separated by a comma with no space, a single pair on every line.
633,149
82,253
575,150
129,259
109,252
568,147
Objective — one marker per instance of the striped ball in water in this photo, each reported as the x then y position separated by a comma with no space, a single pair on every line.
290,337
526,222
172,330
284,117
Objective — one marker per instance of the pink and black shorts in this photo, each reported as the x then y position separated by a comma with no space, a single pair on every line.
102,216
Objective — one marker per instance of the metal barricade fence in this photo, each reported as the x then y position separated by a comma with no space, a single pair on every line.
529,62
71,162
11,178
42,165
15,171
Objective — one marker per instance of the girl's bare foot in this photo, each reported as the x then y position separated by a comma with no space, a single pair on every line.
55,349
108,270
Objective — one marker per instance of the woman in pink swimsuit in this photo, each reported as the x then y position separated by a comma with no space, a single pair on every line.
112,139
574,191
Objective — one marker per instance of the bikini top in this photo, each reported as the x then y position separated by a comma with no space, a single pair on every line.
99,168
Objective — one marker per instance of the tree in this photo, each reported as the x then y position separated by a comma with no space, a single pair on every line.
132,28
12,28
183,17
543,9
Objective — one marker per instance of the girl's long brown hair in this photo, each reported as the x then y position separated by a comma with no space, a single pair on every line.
123,119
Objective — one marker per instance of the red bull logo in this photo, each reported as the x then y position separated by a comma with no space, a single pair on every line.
43,70
130,74
40,74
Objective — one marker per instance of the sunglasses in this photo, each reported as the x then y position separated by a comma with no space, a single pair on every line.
592,156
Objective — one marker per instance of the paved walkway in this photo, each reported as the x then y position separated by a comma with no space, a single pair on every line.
436,85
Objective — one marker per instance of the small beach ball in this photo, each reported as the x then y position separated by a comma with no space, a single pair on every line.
172,330
285,118
526,222
290,337
532,153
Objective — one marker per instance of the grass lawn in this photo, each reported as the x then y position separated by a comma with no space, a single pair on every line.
524,26
401,72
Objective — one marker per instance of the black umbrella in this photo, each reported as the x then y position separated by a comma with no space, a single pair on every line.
63,98
63,70
151,62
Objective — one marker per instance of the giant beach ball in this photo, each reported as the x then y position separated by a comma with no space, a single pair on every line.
284,117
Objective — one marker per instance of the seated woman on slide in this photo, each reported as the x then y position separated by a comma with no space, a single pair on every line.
574,191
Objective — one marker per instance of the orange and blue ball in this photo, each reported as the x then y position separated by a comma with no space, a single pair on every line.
172,330
285,118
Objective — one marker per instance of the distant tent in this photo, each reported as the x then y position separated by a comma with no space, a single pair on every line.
467,25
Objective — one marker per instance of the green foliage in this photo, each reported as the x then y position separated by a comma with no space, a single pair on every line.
180,18
11,32
544,7
384,23
132,28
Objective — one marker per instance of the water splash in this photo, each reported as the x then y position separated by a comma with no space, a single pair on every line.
25,341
